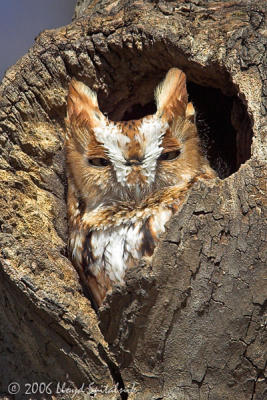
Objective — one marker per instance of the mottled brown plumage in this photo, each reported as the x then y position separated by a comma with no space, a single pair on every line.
126,179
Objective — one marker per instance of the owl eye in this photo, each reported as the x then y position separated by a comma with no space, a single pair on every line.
98,162
170,155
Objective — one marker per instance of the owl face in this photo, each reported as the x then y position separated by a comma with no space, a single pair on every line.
127,161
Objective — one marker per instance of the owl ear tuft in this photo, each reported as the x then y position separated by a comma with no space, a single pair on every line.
190,112
82,106
171,95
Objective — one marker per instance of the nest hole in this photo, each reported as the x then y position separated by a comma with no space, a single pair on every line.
224,128
223,123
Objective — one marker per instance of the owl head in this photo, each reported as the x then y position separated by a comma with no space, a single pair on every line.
127,161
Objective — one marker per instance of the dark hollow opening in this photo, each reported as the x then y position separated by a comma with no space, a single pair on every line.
223,125
137,111
220,120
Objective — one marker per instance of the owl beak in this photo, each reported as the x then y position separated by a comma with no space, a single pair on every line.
133,162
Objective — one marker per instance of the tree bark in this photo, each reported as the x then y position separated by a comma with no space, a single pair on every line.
189,325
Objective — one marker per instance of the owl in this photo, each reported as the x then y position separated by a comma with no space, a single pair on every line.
126,179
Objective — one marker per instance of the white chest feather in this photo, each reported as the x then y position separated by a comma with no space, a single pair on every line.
115,249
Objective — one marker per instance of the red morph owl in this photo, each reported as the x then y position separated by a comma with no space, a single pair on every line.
126,179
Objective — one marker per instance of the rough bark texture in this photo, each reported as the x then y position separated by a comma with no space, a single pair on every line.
191,324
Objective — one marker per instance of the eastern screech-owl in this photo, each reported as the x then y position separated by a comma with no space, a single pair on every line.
126,179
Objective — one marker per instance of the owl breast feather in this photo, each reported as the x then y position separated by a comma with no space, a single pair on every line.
117,248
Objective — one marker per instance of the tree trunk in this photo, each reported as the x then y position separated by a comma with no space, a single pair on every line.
190,325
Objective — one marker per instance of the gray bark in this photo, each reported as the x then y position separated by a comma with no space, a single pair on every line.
190,325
